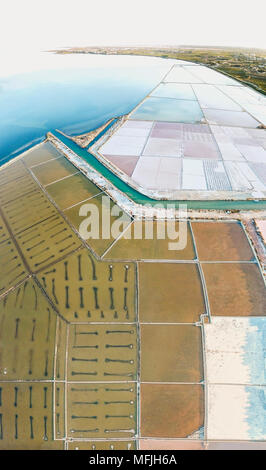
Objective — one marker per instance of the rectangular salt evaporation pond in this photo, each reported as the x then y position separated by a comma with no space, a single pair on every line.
201,149
221,241
217,179
40,154
12,172
210,76
193,175
181,91
25,314
165,293
230,118
255,94
171,353
145,125
101,410
72,190
101,205
54,238
165,109
253,153
252,101
180,74
4,233
134,130
210,97
163,147
258,111
27,211
10,191
243,95
27,417
53,170
171,410
12,270
85,289
260,170
244,178
168,130
150,240
235,289
258,135
158,173
115,357
236,412
131,145
235,350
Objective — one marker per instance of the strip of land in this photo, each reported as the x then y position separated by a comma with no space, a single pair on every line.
246,65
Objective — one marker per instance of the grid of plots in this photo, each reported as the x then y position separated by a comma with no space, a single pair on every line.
68,333
198,130
80,324
28,332
227,284
235,338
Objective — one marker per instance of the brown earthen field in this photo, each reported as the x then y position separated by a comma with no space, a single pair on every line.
101,343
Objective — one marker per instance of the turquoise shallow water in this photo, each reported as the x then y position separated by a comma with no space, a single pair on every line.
170,110
73,93
180,91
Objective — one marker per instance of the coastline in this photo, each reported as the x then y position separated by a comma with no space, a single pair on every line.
213,57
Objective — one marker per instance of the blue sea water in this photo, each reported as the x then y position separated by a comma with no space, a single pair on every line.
73,93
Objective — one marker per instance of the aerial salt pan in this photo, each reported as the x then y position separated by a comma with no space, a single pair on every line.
198,135
80,325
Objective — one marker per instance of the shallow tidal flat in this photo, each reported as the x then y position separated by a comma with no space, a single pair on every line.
101,341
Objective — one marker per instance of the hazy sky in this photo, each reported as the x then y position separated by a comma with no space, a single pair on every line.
39,25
